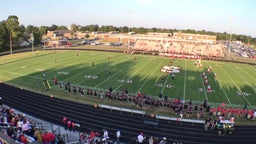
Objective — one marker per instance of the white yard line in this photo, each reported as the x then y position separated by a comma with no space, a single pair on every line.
96,74
162,90
221,86
108,78
244,80
81,71
251,77
236,86
77,73
149,77
223,90
48,69
112,76
13,73
134,74
64,59
185,81
203,85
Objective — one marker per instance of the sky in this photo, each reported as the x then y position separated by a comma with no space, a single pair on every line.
231,16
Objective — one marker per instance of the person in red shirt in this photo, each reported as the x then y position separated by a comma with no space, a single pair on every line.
51,137
91,137
46,139
69,124
64,120
73,125
23,139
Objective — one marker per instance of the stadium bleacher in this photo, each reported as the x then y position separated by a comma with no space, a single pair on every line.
178,47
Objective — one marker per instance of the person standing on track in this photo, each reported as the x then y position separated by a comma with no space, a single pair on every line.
118,135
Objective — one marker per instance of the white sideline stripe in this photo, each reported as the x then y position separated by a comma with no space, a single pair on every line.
181,120
13,73
122,109
185,81
133,74
148,78
223,90
238,88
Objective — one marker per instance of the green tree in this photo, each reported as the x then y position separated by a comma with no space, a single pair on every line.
33,31
154,29
43,30
104,28
111,28
4,36
37,36
53,27
62,28
142,30
22,29
12,25
124,29
87,36
74,27
83,28
93,28
29,29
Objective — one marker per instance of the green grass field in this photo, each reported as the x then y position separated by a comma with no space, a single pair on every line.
26,70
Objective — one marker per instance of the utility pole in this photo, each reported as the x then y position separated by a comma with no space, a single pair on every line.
230,37
130,15
129,29
10,38
32,39
10,41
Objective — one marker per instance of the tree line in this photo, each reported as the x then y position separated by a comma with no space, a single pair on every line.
12,32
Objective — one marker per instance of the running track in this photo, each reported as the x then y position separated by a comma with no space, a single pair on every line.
53,110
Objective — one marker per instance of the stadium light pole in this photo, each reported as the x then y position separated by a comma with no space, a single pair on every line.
10,43
230,37
129,28
10,38
32,39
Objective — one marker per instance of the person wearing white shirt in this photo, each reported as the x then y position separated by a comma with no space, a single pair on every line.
140,138
19,124
118,134
105,135
254,115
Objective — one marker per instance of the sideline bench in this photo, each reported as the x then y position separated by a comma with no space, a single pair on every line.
175,119
122,109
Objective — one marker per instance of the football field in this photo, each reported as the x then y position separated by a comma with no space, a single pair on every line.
235,83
